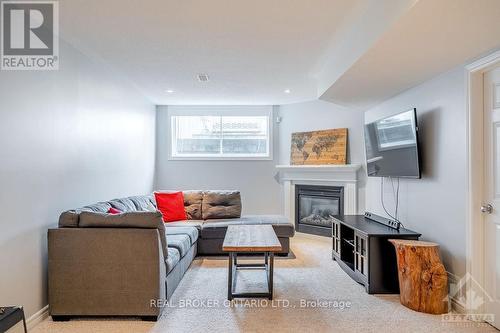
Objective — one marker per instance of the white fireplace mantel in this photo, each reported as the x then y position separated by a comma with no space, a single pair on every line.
332,175
325,172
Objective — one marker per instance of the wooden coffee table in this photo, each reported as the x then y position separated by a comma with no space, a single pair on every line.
250,239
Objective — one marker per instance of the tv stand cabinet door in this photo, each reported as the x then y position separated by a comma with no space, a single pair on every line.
361,254
336,238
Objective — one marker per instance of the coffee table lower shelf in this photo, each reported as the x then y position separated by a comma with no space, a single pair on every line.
268,266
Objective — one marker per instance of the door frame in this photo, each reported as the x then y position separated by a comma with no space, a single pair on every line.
475,172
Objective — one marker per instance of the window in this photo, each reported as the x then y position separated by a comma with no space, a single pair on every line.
221,133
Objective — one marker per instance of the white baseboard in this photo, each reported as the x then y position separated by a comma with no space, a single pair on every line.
455,303
37,318
457,306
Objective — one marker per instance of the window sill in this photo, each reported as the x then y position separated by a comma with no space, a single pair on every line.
228,158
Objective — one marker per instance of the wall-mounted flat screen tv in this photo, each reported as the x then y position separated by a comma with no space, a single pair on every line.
391,145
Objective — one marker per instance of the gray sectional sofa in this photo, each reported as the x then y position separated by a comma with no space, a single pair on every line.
128,264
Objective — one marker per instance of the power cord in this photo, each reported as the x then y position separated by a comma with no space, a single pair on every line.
396,199
395,193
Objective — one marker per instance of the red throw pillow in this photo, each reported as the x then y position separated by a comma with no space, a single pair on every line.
171,206
114,211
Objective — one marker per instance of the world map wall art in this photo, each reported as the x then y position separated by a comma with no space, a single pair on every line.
319,147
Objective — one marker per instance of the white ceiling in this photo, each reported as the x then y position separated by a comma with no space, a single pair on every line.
252,50
433,37
351,52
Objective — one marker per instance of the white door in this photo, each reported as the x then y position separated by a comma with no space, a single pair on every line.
491,199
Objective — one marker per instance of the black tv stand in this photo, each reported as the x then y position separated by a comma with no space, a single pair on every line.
362,250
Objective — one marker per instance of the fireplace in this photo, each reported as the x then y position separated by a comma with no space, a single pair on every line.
315,206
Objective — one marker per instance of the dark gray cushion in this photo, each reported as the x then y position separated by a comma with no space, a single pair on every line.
117,204
173,258
71,218
192,232
221,205
143,203
217,228
146,220
181,242
100,207
123,205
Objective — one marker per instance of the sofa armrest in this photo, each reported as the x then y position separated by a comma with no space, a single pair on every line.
105,271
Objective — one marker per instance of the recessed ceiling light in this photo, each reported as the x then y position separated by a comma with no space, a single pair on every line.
287,91
170,91
202,77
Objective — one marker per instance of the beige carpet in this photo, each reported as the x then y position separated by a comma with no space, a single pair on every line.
199,304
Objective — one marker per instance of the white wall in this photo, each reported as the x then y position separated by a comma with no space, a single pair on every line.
67,138
435,204
255,180
321,115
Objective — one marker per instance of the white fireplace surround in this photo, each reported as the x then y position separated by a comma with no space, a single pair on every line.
329,175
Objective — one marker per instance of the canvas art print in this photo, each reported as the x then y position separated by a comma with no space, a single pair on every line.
319,147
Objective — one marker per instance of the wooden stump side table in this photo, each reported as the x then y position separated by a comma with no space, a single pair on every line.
423,281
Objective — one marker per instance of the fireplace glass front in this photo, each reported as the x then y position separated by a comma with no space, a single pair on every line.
315,207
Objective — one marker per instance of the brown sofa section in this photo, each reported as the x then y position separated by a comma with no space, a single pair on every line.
206,205
219,209
192,204
105,271
221,205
